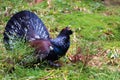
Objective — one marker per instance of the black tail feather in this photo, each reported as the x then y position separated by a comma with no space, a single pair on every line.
25,24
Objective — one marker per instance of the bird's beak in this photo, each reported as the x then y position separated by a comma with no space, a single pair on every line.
68,28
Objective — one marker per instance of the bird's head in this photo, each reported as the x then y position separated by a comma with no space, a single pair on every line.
66,31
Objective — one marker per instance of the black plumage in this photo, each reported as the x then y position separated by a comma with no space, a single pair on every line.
28,26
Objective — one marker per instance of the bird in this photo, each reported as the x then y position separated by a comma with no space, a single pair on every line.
28,26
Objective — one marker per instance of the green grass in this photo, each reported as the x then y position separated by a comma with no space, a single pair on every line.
95,27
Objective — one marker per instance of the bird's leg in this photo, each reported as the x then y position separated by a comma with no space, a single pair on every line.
41,57
51,63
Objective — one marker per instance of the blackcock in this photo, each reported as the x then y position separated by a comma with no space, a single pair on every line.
28,26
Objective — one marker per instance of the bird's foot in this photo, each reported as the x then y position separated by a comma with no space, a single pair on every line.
51,63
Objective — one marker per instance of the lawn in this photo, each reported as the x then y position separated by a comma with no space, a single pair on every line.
94,53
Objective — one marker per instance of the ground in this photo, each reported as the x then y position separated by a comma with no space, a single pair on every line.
94,53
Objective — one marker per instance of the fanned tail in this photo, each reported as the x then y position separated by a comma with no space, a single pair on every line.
25,25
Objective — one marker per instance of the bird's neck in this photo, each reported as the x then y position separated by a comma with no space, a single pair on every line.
61,44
